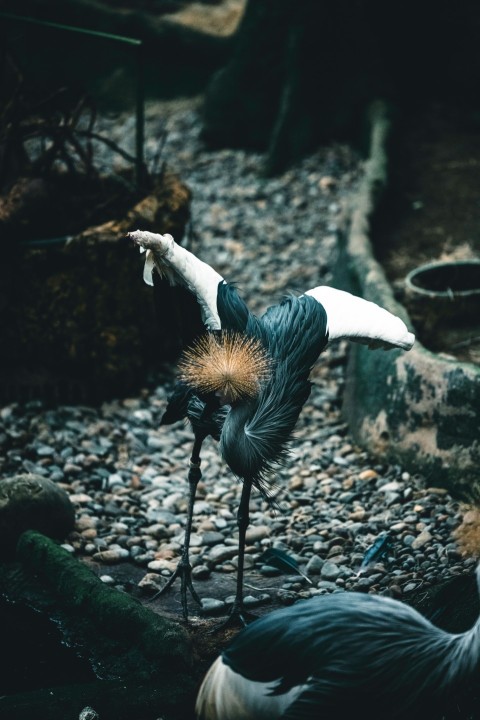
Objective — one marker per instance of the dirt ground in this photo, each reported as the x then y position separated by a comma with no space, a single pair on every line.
206,632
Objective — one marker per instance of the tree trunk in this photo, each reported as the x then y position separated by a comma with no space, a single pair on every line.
304,73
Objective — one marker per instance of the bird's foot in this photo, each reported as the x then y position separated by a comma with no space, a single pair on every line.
184,572
238,617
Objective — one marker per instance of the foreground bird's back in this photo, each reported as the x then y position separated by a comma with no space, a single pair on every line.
335,655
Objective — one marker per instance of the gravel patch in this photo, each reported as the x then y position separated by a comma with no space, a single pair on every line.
126,475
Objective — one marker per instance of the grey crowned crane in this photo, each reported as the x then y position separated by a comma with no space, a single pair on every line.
248,381
341,656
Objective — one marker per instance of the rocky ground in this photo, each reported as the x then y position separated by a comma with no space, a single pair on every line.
126,474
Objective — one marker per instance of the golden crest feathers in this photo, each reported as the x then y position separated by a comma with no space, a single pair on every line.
230,364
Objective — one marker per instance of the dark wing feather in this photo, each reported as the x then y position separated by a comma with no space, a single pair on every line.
296,331
177,404
296,334
205,415
318,701
282,561
256,435
232,310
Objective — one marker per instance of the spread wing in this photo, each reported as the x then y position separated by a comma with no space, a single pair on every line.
181,267
354,318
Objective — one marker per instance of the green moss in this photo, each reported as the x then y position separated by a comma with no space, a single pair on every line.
113,615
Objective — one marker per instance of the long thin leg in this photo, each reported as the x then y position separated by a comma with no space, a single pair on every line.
184,569
238,615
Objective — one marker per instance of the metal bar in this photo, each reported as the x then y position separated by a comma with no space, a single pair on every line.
71,28
140,89
46,242
140,118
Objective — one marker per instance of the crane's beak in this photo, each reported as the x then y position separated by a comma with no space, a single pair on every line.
224,398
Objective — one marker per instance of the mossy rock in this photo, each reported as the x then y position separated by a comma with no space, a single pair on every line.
163,644
29,502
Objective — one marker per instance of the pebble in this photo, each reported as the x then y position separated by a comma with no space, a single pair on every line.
151,582
269,571
88,713
126,474
162,564
212,606
219,553
107,579
367,475
252,601
111,556
211,538
68,547
330,571
314,565
421,540
326,585
256,533
201,572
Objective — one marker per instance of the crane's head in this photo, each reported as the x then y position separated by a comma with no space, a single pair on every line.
231,365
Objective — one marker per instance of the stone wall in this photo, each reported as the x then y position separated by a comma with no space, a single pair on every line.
419,409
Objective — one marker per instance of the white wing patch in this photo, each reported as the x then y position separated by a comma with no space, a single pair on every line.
353,318
181,267
148,267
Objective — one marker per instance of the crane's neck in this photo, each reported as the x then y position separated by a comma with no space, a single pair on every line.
237,446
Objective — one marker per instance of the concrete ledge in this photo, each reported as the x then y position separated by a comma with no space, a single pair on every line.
417,408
